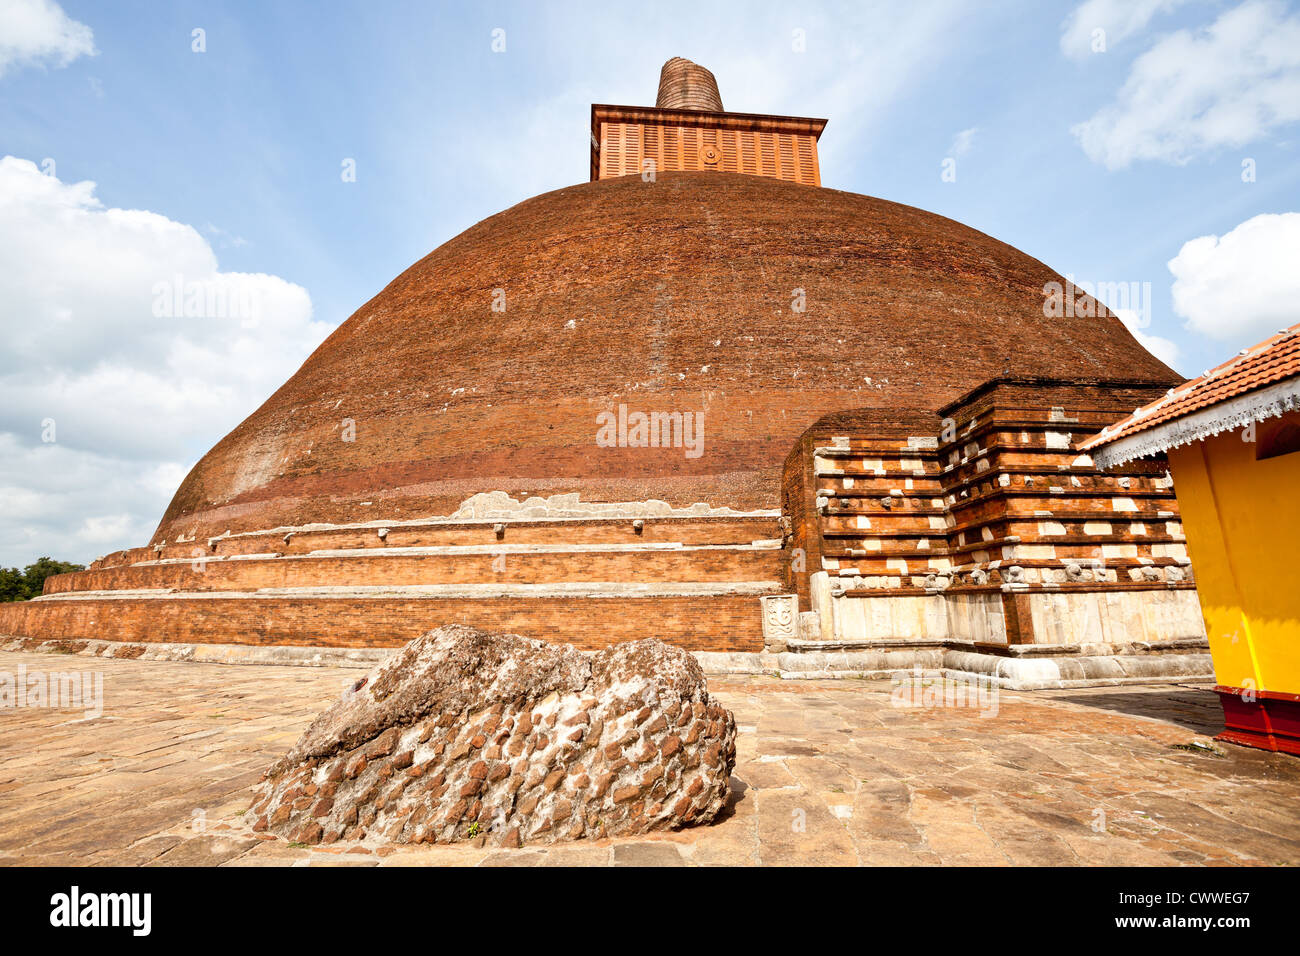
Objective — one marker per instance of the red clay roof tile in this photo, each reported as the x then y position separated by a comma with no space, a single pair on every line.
1273,360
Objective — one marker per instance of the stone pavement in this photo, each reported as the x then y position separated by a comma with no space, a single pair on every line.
828,773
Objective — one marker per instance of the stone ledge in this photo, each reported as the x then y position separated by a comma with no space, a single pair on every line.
493,550
736,662
201,653
713,662
645,511
1193,644
1004,672
562,589
1128,648
799,646
1081,671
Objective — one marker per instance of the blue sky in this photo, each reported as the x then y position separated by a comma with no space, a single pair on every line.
1105,164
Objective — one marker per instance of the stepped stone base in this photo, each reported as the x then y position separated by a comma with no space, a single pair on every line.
709,580
201,653
552,569
1026,667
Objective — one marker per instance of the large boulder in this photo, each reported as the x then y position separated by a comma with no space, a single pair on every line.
465,735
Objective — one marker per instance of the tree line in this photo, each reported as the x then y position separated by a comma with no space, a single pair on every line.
28,583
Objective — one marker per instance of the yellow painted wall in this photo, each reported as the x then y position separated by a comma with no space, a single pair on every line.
1242,521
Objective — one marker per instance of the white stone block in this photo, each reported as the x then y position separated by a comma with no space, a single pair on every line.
1033,551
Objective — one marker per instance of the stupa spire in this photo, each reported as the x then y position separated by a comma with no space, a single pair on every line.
684,85
687,130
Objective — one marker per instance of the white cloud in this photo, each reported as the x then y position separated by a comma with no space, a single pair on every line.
962,142
1117,19
72,505
1243,286
38,31
106,528
1164,349
133,392
1223,86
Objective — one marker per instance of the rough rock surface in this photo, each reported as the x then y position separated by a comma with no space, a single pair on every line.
468,735
499,504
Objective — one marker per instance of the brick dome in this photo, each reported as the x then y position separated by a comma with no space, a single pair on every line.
673,295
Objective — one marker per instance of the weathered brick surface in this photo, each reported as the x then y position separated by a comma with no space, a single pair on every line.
679,293
717,553
468,735
712,623
654,530
684,85
987,494
248,574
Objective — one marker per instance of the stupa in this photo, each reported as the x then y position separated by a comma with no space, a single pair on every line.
700,398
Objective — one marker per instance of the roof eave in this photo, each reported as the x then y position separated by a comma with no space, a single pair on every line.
769,122
1255,406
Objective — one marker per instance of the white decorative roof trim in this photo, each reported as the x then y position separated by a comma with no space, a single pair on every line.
1230,415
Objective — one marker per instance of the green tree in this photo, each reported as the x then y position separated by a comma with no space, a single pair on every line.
13,587
31,583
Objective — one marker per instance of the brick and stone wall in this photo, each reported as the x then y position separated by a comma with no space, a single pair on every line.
984,524
706,622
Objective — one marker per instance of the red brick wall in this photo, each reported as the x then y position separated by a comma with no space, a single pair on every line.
721,622
695,623
683,530
395,570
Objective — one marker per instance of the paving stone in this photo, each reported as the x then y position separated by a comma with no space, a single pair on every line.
647,854
578,855
203,851
797,829
1057,778
515,858
764,775
146,851
438,856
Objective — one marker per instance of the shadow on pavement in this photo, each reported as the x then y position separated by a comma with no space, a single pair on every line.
1192,708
